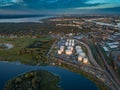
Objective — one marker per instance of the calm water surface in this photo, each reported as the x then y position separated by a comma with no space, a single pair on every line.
69,80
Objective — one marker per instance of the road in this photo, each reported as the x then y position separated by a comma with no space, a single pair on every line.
109,69
51,48
93,62
91,58
87,69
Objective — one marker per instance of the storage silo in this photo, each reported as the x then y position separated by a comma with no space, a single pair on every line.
59,52
68,52
77,47
79,51
69,43
62,48
82,54
85,60
66,43
70,48
80,58
72,44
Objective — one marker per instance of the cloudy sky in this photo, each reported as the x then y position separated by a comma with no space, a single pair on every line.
59,6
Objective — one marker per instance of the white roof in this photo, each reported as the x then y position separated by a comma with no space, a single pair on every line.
106,49
113,46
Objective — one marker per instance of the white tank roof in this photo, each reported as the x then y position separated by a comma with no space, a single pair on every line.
82,54
80,58
68,52
62,46
66,43
79,51
70,48
85,60
59,52
78,47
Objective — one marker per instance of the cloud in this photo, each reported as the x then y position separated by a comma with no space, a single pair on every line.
5,3
17,1
58,5
102,6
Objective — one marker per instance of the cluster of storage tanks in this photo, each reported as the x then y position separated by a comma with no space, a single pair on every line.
69,47
81,55
70,42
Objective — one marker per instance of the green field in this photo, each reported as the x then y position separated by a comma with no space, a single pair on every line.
21,45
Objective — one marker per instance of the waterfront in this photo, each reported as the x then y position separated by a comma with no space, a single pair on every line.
25,20
69,80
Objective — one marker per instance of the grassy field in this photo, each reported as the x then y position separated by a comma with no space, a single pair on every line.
34,80
19,44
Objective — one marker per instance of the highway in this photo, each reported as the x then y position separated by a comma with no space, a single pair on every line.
109,69
93,62
95,67
87,69
91,58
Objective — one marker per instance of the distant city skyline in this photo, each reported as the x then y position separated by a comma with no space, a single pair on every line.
59,6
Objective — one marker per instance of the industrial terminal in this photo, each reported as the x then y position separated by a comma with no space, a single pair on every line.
72,50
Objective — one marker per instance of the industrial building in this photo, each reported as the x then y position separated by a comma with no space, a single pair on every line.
70,48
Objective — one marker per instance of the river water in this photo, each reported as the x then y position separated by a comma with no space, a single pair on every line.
26,19
69,80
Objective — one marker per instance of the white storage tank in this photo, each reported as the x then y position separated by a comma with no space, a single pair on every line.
62,48
69,44
78,47
80,58
79,51
85,60
72,44
70,48
68,52
66,43
59,52
82,54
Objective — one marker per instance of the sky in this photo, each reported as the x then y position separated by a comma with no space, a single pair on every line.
59,6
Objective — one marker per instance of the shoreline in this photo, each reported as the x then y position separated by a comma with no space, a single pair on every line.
45,74
26,19
91,78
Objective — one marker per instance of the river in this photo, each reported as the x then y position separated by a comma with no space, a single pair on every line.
26,19
69,80
102,23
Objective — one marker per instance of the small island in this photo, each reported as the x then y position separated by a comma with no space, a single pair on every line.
34,80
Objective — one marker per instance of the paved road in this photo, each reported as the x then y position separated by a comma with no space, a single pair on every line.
110,70
93,62
84,67
91,58
51,48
